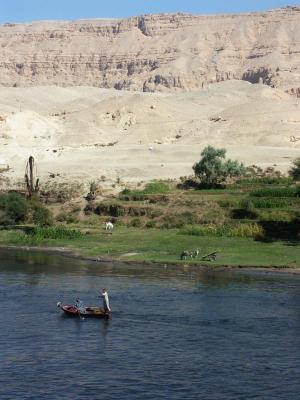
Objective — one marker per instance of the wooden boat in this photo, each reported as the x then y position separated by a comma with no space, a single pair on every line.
92,312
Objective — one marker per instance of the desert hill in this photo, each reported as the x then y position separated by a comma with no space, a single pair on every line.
86,133
225,80
155,52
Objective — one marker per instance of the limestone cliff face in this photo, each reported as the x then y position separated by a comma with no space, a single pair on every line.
155,52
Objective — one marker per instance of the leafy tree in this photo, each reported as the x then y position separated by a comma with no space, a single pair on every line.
294,172
213,169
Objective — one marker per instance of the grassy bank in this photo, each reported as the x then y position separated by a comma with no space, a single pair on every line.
253,222
165,246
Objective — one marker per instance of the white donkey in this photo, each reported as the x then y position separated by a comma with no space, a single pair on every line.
109,226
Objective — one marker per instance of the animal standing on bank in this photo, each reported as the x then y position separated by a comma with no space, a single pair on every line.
109,226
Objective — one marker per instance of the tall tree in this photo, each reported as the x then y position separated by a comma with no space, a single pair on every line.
213,169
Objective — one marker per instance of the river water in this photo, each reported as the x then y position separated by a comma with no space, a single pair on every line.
176,333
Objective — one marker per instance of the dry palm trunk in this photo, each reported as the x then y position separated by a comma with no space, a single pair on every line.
32,187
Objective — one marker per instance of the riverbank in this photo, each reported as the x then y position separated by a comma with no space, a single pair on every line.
163,247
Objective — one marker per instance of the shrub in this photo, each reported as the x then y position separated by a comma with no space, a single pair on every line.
14,206
113,210
93,187
247,204
156,187
150,224
253,230
42,216
61,217
294,172
5,219
136,222
246,210
66,217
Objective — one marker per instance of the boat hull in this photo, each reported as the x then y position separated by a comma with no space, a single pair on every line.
90,312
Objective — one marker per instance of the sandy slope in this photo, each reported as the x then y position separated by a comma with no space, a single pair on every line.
85,132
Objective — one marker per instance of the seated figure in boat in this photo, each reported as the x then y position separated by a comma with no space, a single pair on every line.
80,306
105,300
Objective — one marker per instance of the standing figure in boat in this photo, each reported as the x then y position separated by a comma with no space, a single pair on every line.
105,300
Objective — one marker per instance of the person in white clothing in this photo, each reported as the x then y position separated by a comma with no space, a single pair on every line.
105,299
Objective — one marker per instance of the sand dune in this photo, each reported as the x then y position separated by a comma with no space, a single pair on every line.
85,133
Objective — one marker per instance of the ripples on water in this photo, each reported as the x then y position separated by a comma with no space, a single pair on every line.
175,333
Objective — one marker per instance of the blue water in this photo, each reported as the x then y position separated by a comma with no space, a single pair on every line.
176,333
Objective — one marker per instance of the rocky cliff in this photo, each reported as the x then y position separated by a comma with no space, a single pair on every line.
155,52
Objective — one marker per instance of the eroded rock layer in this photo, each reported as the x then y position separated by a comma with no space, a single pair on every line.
155,52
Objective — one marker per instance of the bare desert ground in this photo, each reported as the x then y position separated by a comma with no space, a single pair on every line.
85,133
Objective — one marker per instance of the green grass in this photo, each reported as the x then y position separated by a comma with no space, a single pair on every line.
165,246
276,202
156,187
276,192
245,230
167,221
265,180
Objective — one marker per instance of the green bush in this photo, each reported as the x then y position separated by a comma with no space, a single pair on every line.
253,230
5,219
14,207
136,222
150,224
294,172
66,217
42,216
246,210
156,187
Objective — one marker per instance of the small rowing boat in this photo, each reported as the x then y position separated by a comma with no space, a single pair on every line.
93,312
